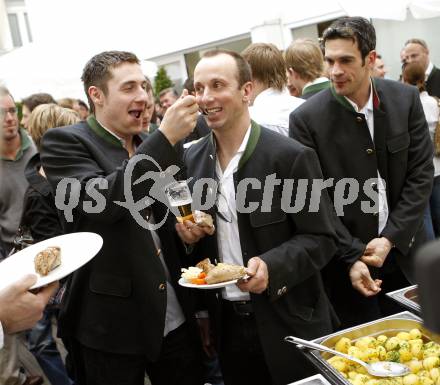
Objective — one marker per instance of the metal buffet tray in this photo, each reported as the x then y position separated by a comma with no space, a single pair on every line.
407,297
317,379
389,326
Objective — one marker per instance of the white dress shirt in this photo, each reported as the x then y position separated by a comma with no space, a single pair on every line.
228,237
429,70
431,110
271,109
174,315
368,111
1,336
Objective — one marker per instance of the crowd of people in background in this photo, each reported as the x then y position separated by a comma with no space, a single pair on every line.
317,111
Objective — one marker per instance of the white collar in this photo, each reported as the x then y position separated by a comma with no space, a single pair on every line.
368,106
245,141
233,163
321,79
268,92
429,69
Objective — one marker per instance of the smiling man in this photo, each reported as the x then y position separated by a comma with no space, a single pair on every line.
373,131
124,313
283,251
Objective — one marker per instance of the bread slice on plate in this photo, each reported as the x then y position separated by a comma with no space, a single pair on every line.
47,260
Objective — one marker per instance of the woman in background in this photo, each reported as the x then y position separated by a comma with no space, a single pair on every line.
414,74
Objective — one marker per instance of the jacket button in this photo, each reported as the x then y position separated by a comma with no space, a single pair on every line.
162,287
282,291
359,119
369,151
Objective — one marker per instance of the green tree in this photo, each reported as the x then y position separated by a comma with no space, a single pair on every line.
161,81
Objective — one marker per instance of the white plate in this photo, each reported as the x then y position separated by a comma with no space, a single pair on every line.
76,250
182,282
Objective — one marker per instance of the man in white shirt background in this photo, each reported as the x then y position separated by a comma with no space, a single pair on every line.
270,100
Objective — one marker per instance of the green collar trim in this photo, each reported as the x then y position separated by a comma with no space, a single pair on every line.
341,100
316,87
102,132
344,102
25,143
251,144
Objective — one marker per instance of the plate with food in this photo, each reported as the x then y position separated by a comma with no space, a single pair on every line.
205,275
52,259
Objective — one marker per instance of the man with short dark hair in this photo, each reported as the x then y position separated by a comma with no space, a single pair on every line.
283,251
416,50
30,103
82,109
167,98
379,70
374,132
124,313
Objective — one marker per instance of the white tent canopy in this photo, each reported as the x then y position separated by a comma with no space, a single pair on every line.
391,9
40,68
79,29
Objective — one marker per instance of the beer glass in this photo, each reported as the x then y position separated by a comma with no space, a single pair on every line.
179,196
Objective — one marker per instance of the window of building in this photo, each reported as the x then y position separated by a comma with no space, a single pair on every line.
28,27
15,30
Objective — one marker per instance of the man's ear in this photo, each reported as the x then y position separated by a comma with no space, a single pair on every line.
247,91
371,58
96,95
292,73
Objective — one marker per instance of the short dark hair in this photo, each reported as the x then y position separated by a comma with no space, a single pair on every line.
267,64
35,100
97,71
189,85
82,104
169,89
357,29
244,72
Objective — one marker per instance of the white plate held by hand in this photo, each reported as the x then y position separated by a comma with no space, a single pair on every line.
76,250
183,282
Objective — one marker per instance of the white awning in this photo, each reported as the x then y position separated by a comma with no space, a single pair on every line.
391,9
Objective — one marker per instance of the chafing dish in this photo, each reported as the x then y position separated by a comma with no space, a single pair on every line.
317,379
407,297
389,326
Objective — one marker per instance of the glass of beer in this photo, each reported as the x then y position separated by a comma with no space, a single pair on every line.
179,196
